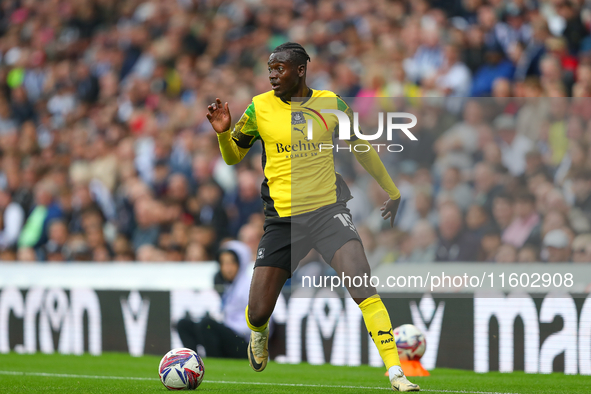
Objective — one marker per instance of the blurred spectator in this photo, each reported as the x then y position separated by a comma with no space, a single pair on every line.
26,254
574,30
581,252
8,123
501,90
150,253
514,30
22,110
526,218
503,211
528,254
534,166
557,247
528,62
581,188
8,254
251,235
424,205
553,220
122,249
558,47
227,338
247,201
54,249
403,247
407,211
514,146
456,146
495,66
454,189
177,190
551,76
87,88
424,243
147,230
427,59
477,220
454,243
174,253
454,77
475,50
195,253
78,248
534,111
486,185
101,254
489,243
506,254
12,217
82,203
210,210
572,163
34,231
557,131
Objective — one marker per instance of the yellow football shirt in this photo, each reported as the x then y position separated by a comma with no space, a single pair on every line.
299,172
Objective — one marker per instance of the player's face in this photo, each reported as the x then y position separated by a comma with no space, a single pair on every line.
283,75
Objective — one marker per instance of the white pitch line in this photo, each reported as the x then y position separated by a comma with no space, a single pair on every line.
348,387
63,375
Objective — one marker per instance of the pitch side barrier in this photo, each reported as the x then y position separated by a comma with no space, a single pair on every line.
76,308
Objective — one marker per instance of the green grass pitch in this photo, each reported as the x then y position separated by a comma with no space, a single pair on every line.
120,373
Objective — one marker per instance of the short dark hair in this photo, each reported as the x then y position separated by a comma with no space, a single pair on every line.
296,52
222,251
582,174
524,196
491,229
504,196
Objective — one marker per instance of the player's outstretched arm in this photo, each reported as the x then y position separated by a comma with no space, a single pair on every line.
370,161
221,120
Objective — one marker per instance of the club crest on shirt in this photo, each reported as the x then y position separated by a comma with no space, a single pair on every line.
297,117
261,253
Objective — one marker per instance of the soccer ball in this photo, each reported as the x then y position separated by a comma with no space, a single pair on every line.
181,369
410,342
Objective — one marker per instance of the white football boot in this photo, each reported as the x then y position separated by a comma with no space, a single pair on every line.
258,349
400,383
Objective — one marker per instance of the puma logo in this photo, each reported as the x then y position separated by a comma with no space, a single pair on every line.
302,131
389,332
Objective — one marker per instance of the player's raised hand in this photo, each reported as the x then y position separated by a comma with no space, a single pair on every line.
389,210
219,116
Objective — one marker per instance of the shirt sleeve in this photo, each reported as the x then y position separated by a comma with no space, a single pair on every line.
246,131
234,145
344,107
371,162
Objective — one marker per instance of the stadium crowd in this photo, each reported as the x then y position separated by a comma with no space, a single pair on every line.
106,154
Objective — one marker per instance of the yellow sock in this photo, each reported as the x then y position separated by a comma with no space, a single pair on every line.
253,328
379,327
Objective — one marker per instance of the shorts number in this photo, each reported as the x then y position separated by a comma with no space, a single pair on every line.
346,220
